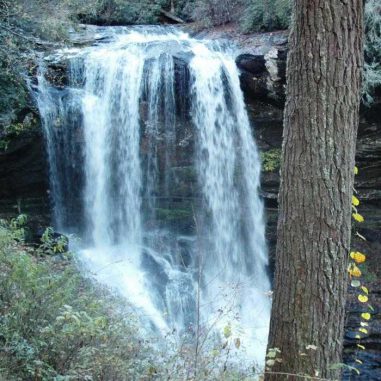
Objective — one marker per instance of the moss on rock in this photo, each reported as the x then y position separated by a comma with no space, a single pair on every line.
271,160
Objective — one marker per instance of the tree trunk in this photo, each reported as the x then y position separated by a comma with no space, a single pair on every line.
314,227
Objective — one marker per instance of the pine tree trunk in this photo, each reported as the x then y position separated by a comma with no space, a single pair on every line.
314,227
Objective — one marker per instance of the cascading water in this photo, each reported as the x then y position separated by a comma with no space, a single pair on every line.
154,165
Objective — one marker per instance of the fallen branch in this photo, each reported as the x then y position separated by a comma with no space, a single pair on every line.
172,17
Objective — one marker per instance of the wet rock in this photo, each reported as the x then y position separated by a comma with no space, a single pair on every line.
253,64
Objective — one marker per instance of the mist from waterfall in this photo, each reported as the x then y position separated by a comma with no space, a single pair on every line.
135,107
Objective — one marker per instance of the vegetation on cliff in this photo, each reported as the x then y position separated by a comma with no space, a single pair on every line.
54,323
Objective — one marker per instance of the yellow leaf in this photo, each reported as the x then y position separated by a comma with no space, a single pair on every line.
363,330
354,271
358,337
361,346
358,217
355,201
227,331
366,291
366,315
364,324
356,170
363,298
358,257
359,361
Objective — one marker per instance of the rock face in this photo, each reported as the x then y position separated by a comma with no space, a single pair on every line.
24,178
263,77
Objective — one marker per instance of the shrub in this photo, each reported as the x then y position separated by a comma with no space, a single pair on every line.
266,15
119,12
251,15
216,12
271,160
54,324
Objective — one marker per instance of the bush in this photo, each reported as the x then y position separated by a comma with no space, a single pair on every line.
266,15
271,160
55,325
216,12
251,15
119,12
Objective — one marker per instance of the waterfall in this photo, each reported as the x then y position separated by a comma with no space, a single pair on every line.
154,165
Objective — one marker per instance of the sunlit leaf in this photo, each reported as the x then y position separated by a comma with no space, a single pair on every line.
271,354
366,315
365,290
356,170
355,201
358,217
354,271
358,257
363,298
227,331
363,330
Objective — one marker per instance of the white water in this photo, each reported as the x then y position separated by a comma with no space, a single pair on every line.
126,102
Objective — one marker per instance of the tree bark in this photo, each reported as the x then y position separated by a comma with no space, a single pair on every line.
321,117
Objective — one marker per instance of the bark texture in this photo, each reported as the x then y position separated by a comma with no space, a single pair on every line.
320,126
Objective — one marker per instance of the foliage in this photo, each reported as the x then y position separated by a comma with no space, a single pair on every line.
39,18
52,244
118,12
251,15
266,15
13,90
216,12
56,325
52,19
10,131
271,160
372,67
359,259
